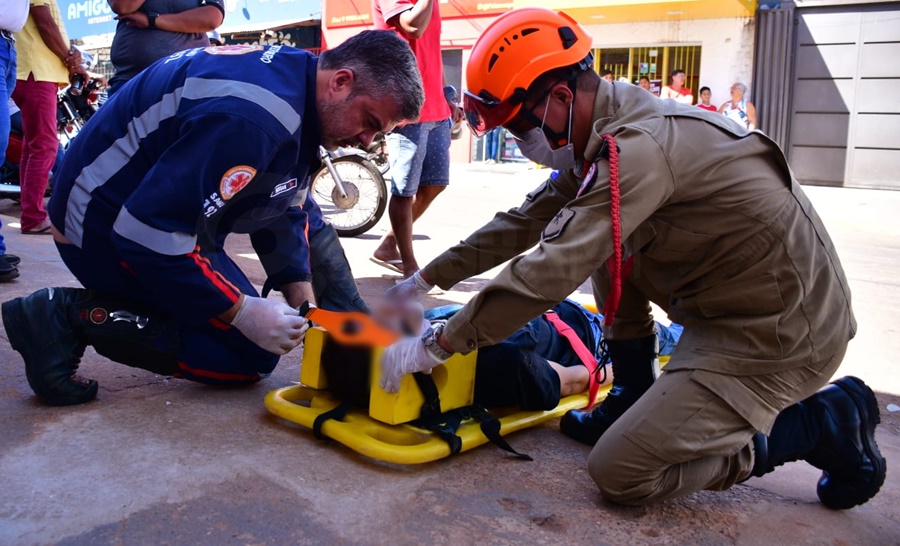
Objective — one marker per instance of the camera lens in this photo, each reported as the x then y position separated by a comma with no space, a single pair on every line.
77,84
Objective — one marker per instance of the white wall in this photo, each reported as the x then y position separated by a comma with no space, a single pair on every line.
726,57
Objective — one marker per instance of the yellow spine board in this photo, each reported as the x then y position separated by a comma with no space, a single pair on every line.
403,444
311,372
400,443
455,381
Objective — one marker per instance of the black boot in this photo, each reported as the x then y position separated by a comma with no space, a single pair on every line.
52,327
635,368
833,430
8,270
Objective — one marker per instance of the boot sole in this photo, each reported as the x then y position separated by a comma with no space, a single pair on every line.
12,312
867,404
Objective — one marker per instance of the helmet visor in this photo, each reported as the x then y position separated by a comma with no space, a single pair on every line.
484,114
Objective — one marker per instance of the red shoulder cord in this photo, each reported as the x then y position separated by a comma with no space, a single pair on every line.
597,367
614,263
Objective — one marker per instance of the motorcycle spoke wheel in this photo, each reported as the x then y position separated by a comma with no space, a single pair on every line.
365,200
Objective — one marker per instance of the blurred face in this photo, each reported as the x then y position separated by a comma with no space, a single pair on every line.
608,77
406,318
678,80
346,120
705,96
644,84
736,93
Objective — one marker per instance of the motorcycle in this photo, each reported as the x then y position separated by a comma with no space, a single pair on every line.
350,187
75,104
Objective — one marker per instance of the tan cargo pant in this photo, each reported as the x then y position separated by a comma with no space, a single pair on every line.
692,431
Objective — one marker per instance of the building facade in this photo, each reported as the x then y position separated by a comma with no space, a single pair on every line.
711,40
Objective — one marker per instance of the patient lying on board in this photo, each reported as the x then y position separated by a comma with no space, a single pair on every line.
533,369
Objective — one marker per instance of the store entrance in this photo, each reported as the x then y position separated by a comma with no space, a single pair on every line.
655,62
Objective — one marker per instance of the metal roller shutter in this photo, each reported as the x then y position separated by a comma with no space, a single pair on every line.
845,115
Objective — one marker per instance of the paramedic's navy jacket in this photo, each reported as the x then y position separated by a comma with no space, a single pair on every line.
202,144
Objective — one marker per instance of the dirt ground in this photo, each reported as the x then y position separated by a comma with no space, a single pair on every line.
165,461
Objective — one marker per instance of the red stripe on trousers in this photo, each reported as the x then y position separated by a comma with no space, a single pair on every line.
218,375
230,291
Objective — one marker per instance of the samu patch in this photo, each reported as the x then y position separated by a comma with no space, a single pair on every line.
556,226
235,179
284,187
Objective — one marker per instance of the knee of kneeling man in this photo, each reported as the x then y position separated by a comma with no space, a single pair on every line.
620,480
627,490
633,496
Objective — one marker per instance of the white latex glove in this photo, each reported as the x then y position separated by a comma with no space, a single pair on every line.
412,288
406,356
273,325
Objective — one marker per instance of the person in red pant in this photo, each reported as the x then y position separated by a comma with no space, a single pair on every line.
45,61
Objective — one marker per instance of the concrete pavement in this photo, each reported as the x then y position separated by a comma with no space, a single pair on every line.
164,461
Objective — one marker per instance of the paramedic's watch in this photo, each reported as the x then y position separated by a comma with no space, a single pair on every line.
430,339
151,19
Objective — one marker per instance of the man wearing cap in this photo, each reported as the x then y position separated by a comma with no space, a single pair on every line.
724,240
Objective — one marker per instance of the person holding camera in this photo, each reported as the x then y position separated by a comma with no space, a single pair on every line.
45,60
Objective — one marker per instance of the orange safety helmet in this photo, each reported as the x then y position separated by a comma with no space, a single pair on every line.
511,53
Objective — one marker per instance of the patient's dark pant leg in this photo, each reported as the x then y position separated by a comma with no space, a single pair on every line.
511,373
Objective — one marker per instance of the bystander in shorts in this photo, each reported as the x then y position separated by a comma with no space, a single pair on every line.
419,156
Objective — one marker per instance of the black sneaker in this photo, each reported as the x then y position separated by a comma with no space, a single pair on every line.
11,259
40,329
7,272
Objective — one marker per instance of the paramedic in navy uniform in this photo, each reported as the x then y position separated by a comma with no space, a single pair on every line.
204,143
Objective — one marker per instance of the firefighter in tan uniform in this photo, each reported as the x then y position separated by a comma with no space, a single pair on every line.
681,207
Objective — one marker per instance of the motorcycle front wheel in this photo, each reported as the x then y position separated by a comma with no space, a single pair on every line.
366,197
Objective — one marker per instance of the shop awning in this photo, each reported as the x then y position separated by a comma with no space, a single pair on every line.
632,11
